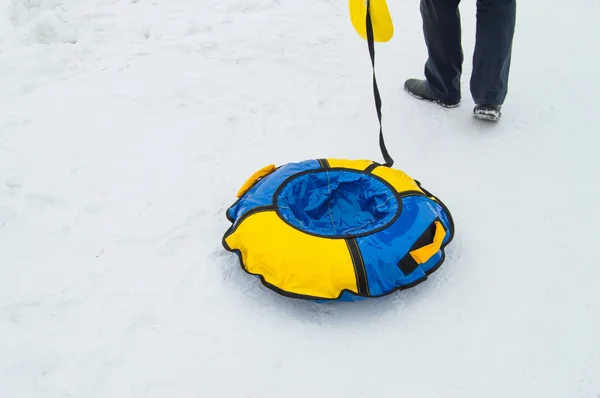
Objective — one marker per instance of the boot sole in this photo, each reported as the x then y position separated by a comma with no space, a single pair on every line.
492,117
433,101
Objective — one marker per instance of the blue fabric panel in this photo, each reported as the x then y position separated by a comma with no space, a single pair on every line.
383,250
261,194
349,296
334,203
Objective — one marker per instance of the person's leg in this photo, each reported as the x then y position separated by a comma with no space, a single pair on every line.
493,48
442,32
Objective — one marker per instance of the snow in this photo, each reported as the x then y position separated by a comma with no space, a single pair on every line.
127,127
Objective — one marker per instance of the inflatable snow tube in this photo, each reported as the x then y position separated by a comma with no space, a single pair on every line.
332,229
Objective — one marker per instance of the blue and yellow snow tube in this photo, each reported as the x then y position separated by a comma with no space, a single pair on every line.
332,229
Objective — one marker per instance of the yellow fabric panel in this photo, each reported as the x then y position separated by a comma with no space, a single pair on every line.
383,27
291,260
396,178
423,254
350,164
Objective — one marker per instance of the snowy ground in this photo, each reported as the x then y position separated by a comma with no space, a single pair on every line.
127,127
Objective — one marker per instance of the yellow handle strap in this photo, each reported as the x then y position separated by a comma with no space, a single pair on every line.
423,254
254,178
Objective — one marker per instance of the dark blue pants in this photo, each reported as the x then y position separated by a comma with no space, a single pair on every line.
492,55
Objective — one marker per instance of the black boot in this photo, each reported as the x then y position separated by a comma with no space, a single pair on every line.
419,89
487,112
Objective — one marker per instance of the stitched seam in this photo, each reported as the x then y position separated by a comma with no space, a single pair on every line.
386,202
329,207
292,213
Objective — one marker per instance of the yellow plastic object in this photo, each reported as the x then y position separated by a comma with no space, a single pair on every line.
423,254
254,178
383,27
337,229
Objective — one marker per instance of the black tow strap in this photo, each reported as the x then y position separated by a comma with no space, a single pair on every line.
386,156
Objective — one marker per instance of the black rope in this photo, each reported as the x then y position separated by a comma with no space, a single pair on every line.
386,156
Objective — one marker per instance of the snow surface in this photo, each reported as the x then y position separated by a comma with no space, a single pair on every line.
127,127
